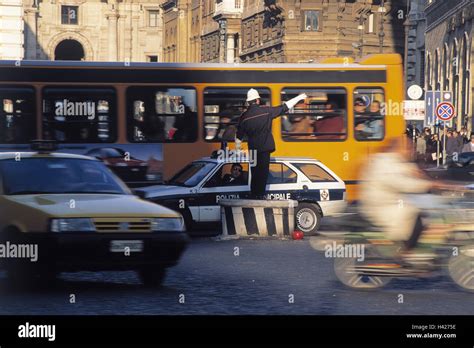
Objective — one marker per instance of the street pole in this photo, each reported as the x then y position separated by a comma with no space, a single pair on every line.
437,146
444,143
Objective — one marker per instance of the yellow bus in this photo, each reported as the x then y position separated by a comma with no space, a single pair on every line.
147,120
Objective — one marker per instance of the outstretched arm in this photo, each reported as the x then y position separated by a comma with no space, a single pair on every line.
292,102
279,110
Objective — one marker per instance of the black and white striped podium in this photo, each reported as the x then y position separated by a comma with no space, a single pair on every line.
257,218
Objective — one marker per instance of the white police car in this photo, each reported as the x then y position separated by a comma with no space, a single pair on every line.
195,191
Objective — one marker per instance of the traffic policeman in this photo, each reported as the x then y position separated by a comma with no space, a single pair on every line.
256,124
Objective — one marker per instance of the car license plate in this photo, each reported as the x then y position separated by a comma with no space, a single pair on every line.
122,246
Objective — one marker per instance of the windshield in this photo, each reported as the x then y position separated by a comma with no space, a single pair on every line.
58,175
192,174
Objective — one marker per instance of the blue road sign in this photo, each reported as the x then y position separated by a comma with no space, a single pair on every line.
437,100
432,100
429,111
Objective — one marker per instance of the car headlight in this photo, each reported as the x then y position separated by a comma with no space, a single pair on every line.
72,225
167,224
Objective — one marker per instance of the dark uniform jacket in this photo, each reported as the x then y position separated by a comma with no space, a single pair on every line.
256,124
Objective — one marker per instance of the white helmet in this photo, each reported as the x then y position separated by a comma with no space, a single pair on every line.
252,94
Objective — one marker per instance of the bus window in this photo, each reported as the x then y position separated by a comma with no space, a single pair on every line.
222,109
161,114
79,115
17,116
369,120
322,116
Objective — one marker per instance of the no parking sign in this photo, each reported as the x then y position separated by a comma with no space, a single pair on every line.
445,111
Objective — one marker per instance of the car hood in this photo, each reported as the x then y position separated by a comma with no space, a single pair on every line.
162,191
93,205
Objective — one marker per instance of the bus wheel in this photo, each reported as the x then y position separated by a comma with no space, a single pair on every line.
308,218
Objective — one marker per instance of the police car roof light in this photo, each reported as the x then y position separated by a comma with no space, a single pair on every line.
44,146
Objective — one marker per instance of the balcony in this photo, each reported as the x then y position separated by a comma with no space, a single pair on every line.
228,7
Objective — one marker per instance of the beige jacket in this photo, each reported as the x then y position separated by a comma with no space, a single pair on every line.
386,182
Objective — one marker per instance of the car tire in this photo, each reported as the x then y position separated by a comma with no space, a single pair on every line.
308,218
152,277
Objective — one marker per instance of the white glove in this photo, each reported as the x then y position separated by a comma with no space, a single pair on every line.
292,102
238,144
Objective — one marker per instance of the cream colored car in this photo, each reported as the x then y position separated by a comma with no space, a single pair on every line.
64,212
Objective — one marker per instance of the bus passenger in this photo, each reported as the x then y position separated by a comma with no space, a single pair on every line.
302,126
183,126
361,129
154,129
331,122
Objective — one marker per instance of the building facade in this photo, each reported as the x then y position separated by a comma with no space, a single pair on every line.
449,52
286,30
11,29
181,30
99,30
308,30
415,26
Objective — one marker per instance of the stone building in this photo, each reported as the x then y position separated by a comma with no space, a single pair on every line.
100,30
181,34
449,52
11,29
283,30
415,43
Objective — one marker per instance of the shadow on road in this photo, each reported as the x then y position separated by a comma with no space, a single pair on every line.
103,282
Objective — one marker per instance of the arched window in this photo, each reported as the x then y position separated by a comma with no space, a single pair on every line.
429,85
455,76
465,72
436,71
446,65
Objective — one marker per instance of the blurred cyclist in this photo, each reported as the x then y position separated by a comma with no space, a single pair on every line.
388,179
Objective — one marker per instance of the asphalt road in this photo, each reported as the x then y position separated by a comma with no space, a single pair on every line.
263,279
